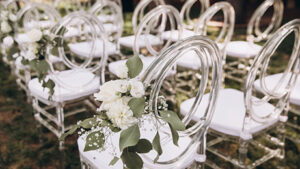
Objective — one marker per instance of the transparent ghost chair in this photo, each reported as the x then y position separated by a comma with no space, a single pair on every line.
74,85
241,53
187,67
243,118
113,25
188,23
31,16
67,6
192,141
143,7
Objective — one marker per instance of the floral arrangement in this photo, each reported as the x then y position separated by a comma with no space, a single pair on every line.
7,31
124,104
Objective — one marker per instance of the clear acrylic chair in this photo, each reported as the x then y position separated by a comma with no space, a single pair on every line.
32,15
74,85
241,53
191,148
188,22
188,65
142,8
243,118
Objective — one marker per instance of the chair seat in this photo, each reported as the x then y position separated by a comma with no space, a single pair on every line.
40,24
83,49
272,80
173,35
72,84
242,49
101,159
128,41
229,113
114,66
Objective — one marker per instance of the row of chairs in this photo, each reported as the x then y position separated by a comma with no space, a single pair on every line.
92,39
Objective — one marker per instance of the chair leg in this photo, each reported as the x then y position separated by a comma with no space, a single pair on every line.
243,150
61,125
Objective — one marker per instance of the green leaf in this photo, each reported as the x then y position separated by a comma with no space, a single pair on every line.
143,146
54,51
175,135
110,125
173,119
137,105
135,66
70,132
132,160
50,85
88,123
129,137
114,161
94,141
12,50
156,146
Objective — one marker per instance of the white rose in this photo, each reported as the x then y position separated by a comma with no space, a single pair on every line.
107,92
137,88
5,28
30,52
35,35
29,55
121,85
12,17
8,41
122,71
120,114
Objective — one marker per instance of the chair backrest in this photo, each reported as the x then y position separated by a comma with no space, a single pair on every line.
254,33
185,12
94,37
141,9
110,13
13,6
38,15
156,74
226,32
68,6
158,20
279,93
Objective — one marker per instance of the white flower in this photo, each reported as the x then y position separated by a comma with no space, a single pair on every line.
4,15
5,28
137,88
121,85
30,51
122,71
35,35
8,41
107,92
120,114
15,55
12,17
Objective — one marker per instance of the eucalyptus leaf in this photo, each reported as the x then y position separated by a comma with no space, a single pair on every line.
114,161
156,146
50,85
173,119
175,135
70,132
129,137
135,66
132,160
88,123
143,146
12,50
137,105
94,141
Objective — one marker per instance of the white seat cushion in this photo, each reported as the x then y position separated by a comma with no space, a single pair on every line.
128,41
73,84
229,114
173,35
272,80
101,159
242,49
83,49
114,66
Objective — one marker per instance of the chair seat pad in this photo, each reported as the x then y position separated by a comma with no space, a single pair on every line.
272,80
173,35
83,49
114,66
242,49
128,41
101,159
72,84
229,114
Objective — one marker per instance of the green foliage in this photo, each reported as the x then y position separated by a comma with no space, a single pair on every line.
132,160
114,161
94,141
156,146
135,66
129,137
137,105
